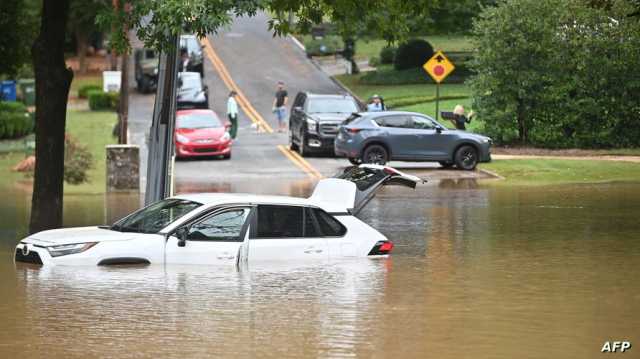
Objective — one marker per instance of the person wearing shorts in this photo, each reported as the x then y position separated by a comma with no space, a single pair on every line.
279,106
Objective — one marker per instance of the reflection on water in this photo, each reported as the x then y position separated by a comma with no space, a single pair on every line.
478,271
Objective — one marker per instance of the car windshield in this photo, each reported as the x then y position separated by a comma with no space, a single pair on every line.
332,105
190,81
191,44
198,120
156,216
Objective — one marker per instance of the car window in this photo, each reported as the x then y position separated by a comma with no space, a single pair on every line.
223,226
331,105
422,123
280,221
329,226
311,226
398,121
198,120
191,44
156,216
190,80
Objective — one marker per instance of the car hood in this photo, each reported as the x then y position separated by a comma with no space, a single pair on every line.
191,95
210,133
56,237
329,117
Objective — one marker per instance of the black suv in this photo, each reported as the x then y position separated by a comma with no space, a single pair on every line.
315,118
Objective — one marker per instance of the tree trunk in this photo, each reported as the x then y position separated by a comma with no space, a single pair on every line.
53,79
123,107
522,123
82,43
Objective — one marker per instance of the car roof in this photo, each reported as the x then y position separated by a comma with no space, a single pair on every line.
391,113
195,111
321,95
210,199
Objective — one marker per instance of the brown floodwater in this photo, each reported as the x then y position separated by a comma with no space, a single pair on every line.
479,271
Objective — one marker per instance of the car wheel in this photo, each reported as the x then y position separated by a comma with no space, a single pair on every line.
292,145
302,147
445,164
354,161
375,154
466,158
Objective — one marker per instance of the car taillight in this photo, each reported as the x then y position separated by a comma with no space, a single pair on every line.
381,247
354,130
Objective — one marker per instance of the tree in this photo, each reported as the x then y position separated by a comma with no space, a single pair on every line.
82,22
18,24
558,73
156,22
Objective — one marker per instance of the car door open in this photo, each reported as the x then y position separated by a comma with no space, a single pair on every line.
350,191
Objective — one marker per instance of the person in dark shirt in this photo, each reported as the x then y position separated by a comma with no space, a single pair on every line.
279,106
459,119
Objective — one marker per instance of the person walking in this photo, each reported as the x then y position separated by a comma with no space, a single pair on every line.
279,106
232,114
459,119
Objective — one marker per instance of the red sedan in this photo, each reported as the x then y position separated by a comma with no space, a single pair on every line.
201,133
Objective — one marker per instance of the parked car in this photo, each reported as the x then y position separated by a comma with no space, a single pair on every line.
201,133
146,70
228,229
315,118
379,137
192,93
194,49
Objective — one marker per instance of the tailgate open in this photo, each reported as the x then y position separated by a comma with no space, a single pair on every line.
350,191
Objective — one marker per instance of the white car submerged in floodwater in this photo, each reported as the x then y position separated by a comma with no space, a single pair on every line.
228,228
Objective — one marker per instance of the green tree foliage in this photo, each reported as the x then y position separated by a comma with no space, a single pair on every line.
558,73
18,24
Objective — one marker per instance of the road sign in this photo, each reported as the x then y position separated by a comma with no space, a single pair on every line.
438,66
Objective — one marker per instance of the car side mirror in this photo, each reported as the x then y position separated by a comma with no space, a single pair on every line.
439,129
205,88
182,234
297,109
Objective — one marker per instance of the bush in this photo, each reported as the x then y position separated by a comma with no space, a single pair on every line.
556,73
374,61
412,54
387,76
387,54
15,121
83,92
101,101
77,161
328,45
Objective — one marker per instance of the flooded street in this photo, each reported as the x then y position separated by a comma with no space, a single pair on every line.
479,270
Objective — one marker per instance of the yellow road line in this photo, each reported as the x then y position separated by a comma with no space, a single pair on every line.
300,162
244,103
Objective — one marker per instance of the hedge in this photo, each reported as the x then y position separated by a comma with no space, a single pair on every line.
101,101
15,121
83,92
328,45
387,76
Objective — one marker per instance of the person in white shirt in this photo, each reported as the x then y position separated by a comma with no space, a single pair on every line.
232,113
376,104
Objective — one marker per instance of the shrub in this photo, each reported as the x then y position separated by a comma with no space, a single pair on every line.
374,61
77,161
387,55
387,76
100,101
15,121
328,45
83,92
557,73
412,54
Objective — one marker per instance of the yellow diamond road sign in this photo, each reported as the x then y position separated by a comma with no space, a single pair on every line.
438,66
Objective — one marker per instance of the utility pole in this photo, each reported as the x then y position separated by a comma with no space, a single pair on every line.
162,126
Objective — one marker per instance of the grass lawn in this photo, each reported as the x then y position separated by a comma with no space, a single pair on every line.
92,129
80,81
552,171
368,48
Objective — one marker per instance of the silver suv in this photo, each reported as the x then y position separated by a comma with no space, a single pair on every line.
379,137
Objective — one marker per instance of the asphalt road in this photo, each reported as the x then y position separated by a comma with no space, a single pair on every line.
247,58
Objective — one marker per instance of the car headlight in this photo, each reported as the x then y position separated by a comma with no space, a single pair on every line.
312,125
225,137
65,249
182,139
